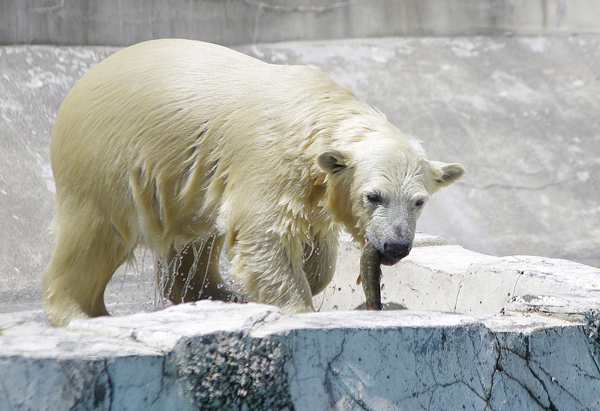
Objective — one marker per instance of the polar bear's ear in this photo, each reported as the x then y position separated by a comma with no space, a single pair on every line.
332,161
445,174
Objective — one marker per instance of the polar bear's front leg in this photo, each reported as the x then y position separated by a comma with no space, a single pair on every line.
193,273
271,272
320,260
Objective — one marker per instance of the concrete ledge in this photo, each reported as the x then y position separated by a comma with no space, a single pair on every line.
211,355
453,279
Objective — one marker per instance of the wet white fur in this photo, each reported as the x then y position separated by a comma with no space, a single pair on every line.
172,142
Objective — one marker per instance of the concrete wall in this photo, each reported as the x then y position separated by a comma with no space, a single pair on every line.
529,137
232,22
214,356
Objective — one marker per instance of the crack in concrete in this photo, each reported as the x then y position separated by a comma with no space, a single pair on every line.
111,388
476,351
457,382
339,381
497,369
262,319
163,375
554,381
303,9
48,8
584,372
261,6
458,293
526,357
592,344
531,394
513,186
135,338
530,363
552,407
514,292
484,395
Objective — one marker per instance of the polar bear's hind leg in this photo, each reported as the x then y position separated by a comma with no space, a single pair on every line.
87,253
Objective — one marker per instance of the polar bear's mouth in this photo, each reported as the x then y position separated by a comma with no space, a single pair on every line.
392,252
385,260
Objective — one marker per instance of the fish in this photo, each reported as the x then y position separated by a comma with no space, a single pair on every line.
370,276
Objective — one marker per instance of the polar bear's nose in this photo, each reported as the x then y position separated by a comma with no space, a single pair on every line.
395,250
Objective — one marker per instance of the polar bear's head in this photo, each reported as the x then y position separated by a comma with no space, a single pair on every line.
378,188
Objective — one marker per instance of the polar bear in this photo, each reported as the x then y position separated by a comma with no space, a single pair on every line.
189,148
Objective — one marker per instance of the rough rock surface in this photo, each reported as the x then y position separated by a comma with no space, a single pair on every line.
212,355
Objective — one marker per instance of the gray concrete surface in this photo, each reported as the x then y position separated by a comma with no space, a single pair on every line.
215,356
234,22
450,278
521,113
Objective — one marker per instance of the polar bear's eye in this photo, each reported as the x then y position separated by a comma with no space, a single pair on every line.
374,198
419,203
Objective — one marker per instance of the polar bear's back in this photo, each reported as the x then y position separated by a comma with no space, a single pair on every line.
186,71
142,133
175,86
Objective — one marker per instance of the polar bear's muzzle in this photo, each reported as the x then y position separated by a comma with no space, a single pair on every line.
393,251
